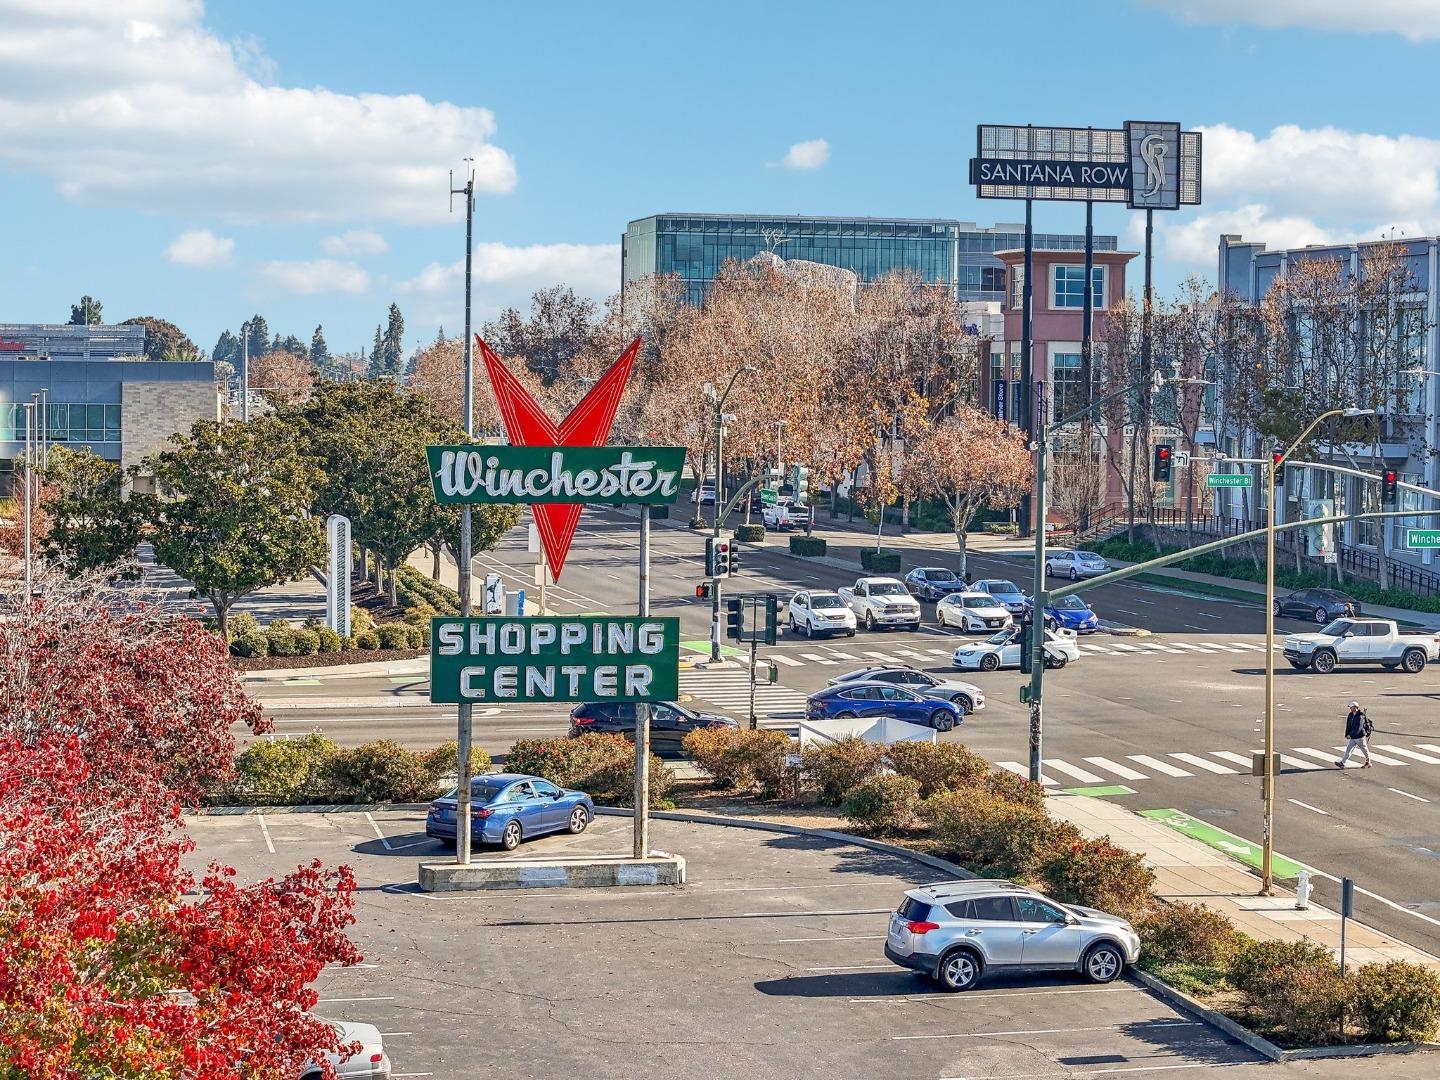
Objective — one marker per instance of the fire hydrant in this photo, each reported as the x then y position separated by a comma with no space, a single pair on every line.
1302,891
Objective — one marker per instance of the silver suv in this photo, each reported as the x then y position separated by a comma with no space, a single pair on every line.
955,931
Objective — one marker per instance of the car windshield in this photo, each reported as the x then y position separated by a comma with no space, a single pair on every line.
940,575
480,792
1088,555
1002,638
1070,603
1003,587
820,601
1337,628
980,601
887,588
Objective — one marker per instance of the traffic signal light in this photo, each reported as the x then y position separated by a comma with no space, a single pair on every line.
1027,628
734,620
702,591
1389,488
717,557
802,483
772,618
1162,463
1277,469
732,557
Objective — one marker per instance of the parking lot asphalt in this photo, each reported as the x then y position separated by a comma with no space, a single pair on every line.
767,964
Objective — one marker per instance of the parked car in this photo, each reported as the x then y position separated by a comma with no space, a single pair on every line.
704,493
972,612
957,931
1322,605
1363,641
1010,595
820,612
371,1062
1072,613
506,808
785,515
967,695
845,701
1003,650
1063,562
670,721
882,601
933,583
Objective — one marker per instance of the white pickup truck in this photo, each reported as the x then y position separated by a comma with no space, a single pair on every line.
1362,641
882,601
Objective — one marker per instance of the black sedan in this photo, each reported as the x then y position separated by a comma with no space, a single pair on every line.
669,722
1318,605
933,583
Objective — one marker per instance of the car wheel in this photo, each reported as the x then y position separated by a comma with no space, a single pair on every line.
1073,575
870,621
940,618
579,820
941,720
1322,616
1103,963
914,627
989,662
1049,569
844,716
963,700
1323,662
1059,661
1413,661
1279,611
510,838
959,970
794,626
849,633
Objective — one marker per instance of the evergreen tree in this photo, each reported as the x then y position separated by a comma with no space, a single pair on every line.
276,343
258,334
227,349
377,369
319,351
394,340
440,336
292,344
87,312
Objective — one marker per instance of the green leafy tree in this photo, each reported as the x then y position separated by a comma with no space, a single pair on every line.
92,524
235,513
164,340
88,312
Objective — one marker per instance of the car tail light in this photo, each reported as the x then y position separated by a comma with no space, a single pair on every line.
481,812
921,927
581,721
375,1059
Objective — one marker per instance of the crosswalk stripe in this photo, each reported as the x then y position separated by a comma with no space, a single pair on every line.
884,658
1319,755
1083,775
942,653
1122,771
1158,765
1088,648
1155,646
1300,763
1186,645
1238,759
781,658
1426,758
843,655
1428,746
1203,763
1379,759
905,650
817,658
1248,645
1021,770
1125,646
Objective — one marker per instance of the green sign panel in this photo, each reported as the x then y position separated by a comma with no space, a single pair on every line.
612,475
1227,480
1422,538
498,660
769,496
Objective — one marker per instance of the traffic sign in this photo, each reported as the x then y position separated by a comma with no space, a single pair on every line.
769,496
1227,480
1422,538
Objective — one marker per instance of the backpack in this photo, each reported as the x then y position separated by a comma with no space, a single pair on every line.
1366,727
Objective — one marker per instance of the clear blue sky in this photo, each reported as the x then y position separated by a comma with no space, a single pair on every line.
203,163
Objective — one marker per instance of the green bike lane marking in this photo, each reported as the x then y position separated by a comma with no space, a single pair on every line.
1102,791
699,646
1234,846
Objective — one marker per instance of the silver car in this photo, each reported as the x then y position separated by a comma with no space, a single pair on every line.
956,931
1075,564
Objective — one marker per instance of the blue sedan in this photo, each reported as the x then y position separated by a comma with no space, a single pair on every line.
851,700
506,808
1071,613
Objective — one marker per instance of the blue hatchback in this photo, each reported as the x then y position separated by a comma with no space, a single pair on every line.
1071,613
849,700
506,808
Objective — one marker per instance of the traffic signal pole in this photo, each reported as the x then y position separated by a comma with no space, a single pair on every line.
1037,610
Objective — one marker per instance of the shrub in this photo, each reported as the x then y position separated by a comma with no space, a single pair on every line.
1008,785
739,758
282,639
328,640
307,642
283,772
1396,1002
382,771
367,640
938,767
1096,873
883,804
347,644
750,534
444,760
993,835
417,637
811,546
1188,934
243,623
250,643
603,766
360,620
1258,967
1002,528
883,561
1294,986
840,766
418,614
393,636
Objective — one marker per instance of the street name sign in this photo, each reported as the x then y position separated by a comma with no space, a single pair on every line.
611,475
1227,480
1422,538
548,659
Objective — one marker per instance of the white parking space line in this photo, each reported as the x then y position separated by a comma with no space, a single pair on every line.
1047,1031
265,832
1122,771
1307,806
983,996
852,967
817,658
1078,773
1379,759
780,658
383,839
333,1001
1203,763
1022,770
1407,794
1230,755
1207,615
1425,758
846,937
1109,1072
1158,765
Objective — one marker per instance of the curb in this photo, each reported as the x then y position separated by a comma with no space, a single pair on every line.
306,808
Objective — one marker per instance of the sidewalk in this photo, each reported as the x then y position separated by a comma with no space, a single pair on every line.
419,665
1188,870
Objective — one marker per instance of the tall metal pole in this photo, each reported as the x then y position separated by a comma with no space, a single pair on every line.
29,438
1087,366
1268,848
719,505
1037,608
464,732
642,709
43,454
245,373
1026,405
1145,353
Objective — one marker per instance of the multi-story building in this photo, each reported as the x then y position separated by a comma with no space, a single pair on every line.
100,391
959,255
1407,444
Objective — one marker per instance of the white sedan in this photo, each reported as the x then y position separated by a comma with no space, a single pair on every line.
820,612
371,1062
972,612
1003,650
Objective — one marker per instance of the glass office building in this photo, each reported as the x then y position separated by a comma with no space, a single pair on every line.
955,254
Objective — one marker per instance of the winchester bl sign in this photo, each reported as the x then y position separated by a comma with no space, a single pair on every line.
610,475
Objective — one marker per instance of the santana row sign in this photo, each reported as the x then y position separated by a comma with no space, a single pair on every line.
589,658
612,475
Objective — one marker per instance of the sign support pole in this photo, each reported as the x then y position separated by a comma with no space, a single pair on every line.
1026,404
464,730
753,645
642,709
545,573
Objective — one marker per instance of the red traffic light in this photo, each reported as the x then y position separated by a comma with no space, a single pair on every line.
1163,452
1389,487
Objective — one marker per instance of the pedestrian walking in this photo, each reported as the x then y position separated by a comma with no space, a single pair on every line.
1357,733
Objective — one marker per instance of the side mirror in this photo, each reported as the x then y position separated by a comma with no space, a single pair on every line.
1349,633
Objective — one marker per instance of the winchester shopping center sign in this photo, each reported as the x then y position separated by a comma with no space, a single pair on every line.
610,475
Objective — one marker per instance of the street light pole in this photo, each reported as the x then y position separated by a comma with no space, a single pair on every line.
29,438
778,425
715,579
465,732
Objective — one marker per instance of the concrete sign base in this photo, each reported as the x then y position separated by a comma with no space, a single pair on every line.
577,872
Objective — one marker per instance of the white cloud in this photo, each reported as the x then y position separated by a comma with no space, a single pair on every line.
201,248
137,103
356,242
505,276
1417,20
807,155
1196,242
306,278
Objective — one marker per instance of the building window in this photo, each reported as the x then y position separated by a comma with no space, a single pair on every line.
1017,287
1065,386
1069,287
65,422
992,279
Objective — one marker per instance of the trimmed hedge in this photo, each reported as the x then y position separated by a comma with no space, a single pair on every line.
313,769
603,766
413,588
1187,933
809,546
884,561
750,534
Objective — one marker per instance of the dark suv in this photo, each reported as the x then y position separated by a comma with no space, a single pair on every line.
669,722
